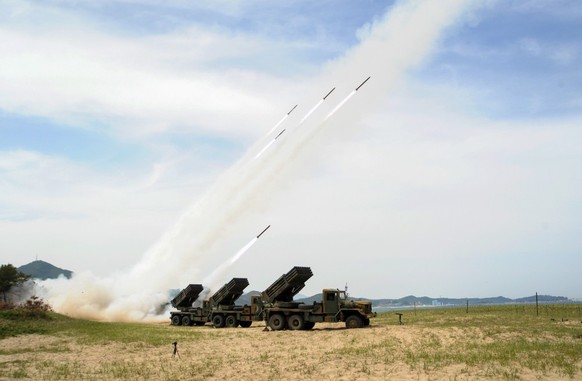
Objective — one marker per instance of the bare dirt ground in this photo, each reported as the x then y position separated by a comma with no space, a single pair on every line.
328,352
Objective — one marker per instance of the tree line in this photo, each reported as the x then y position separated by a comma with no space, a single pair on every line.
10,277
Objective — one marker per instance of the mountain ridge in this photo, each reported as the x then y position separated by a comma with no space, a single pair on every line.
411,300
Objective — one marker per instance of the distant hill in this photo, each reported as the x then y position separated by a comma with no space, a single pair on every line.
317,298
542,299
44,270
412,300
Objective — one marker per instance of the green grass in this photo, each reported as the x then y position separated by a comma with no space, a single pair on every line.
16,323
23,322
498,339
92,333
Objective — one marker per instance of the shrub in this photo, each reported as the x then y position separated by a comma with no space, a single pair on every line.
6,306
35,304
35,308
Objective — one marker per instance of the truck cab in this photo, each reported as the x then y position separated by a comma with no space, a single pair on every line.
331,300
337,307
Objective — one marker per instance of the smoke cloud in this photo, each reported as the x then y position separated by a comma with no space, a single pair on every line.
388,48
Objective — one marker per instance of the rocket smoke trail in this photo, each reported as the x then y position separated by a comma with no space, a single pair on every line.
182,251
266,147
300,122
281,121
300,141
340,105
214,279
315,107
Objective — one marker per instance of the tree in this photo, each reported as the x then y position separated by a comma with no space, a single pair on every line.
10,277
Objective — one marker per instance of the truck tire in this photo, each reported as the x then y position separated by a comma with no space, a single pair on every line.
295,322
231,321
176,320
218,321
245,324
354,321
277,322
186,320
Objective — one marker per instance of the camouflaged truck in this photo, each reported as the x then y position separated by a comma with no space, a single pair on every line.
281,312
220,309
275,306
186,314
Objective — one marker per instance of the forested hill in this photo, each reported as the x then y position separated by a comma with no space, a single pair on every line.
44,270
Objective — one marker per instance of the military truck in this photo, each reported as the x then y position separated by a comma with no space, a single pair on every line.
281,312
186,314
219,309
275,305
223,311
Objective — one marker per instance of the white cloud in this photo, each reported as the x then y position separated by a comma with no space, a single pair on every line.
80,218
134,85
85,88
403,183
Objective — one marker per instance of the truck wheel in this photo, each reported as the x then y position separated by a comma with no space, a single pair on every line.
176,320
354,321
186,320
277,322
295,322
245,324
218,321
231,321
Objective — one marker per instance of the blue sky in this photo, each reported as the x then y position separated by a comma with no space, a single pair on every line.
453,172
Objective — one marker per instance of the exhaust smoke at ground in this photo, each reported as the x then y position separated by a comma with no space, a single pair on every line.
393,45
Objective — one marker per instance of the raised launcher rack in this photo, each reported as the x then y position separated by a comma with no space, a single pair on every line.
229,293
287,286
187,296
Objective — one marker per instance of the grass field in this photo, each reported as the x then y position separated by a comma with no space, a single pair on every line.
501,342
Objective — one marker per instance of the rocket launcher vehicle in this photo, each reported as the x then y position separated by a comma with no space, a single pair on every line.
187,296
229,293
287,286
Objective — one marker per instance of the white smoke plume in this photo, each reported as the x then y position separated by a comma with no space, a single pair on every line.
388,48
